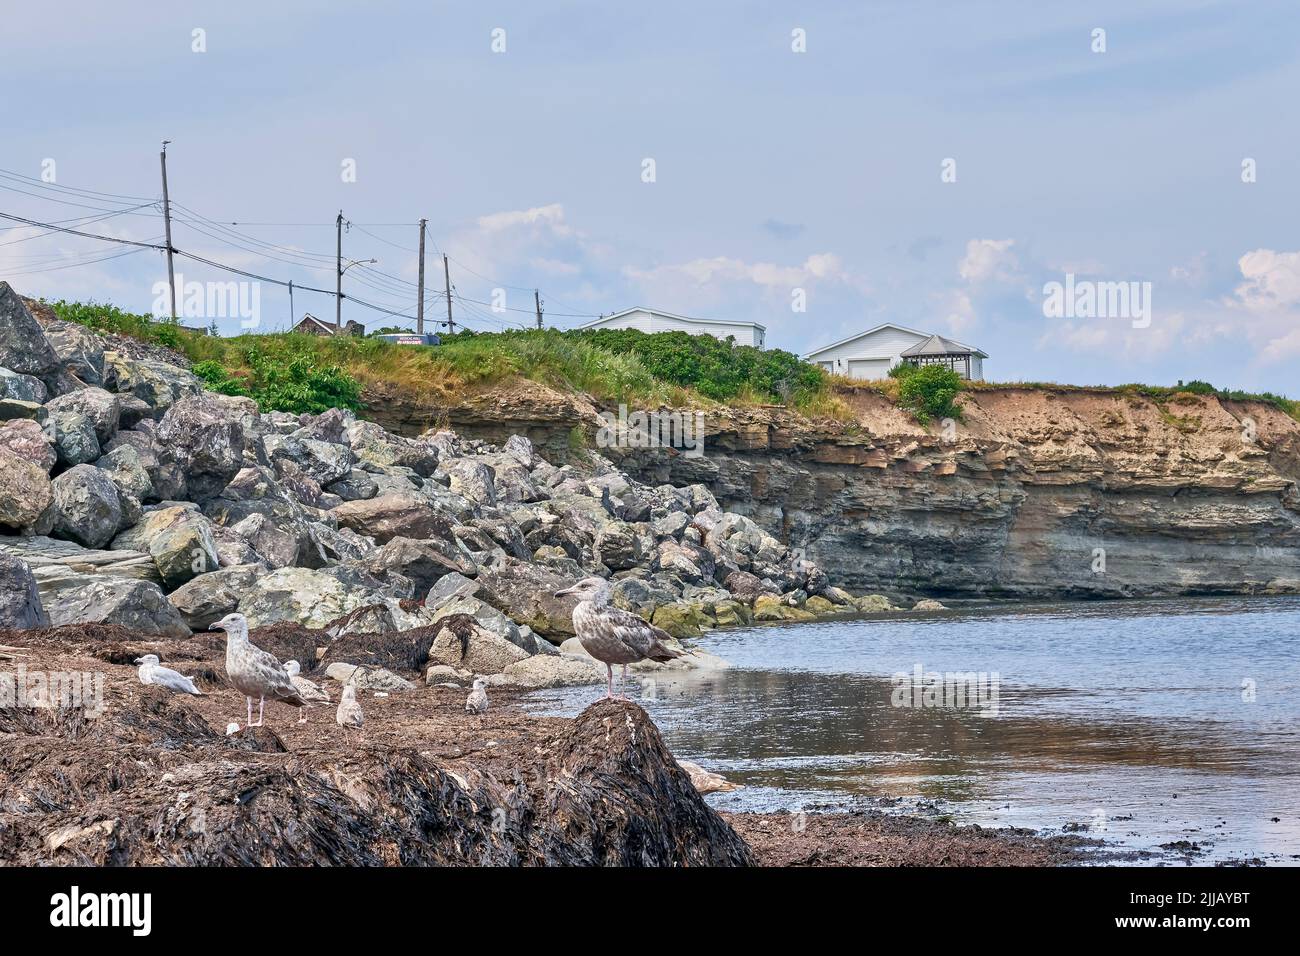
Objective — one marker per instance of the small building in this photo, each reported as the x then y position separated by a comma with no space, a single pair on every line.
871,354
310,325
652,320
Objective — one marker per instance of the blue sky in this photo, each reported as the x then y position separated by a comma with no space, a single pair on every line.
774,170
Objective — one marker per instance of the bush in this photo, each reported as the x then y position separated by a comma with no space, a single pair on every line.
930,391
216,378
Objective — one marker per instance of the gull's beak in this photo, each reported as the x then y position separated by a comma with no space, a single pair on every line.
572,590
216,627
139,660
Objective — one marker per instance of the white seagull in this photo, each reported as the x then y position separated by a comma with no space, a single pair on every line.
151,672
306,689
477,701
349,712
612,635
253,671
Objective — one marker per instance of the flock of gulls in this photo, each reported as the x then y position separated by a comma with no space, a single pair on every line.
609,634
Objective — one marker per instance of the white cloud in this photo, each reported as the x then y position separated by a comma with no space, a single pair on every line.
1272,280
989,260
825,266
550,217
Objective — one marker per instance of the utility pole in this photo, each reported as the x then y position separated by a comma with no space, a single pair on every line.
291,321
446,274
167,220
338,266
537,300
419,306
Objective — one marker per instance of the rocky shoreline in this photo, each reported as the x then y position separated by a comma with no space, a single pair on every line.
156,779
129,495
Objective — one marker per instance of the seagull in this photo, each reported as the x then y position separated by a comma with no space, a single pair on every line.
253,671
477,702
151,672
612,635
349,712
306,689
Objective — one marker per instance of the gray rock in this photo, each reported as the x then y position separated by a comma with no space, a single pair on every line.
102,409
25,388
671,525
372,444
481,651
390,516
79,349
448,586
368,678
330,425
87,508
11,408
307,597
423,561
23,346
542,671
126,469
138,605
157,384
473,480
526,594
179,539
75,442
207,598
26,495
272,544
521,450
165,475
484,615
322,461
20,602
206,441
619,546
357,485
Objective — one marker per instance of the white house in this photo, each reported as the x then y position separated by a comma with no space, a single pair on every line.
871,354
652,320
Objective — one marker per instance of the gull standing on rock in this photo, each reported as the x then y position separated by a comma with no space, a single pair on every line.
253,671
151,672
477,701
612,635
305,688
349,712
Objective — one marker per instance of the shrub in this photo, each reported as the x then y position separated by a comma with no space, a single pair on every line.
930,392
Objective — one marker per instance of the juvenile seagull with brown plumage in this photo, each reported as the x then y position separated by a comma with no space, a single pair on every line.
612,635
253,671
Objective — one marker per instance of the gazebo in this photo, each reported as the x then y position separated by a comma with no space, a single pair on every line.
936,350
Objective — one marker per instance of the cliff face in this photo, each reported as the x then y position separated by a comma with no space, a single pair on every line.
1037,493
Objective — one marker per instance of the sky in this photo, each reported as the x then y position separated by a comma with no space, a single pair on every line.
819,168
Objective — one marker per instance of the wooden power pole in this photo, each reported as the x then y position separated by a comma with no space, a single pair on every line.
446,274
537,301
338,267
419,306
167,222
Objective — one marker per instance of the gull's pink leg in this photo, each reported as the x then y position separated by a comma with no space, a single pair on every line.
609,694
250,712
261,708
622,685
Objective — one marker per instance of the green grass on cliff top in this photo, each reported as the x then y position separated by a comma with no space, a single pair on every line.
291,372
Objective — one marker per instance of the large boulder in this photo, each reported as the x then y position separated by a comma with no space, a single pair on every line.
25,492
137,605
87,508
73,434
23,388
157,384
463,644
356,485
125,467
20,602
472,479
390,516
302,596
373,444
543,670
526,593
101,408
423,561
620,546
166,479
324,462
26,439
179,539
80,350
207,598
23,346
207,440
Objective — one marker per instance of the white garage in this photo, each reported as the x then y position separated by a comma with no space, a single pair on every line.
871,354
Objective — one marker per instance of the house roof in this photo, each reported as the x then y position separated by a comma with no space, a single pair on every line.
938,345
308,317
670,315
860,335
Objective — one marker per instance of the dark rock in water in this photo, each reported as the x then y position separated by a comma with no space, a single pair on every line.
23,346
20,602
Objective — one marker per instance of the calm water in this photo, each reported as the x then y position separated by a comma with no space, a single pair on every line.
1131,720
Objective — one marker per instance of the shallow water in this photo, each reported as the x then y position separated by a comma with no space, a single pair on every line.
1139,723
